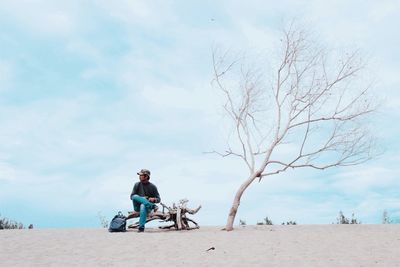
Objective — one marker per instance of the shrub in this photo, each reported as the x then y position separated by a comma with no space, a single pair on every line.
341,219
266,221
385,218
6,223
289,223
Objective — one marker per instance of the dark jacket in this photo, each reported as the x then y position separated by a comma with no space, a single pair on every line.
146,190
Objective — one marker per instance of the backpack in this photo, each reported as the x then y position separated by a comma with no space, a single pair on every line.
118,223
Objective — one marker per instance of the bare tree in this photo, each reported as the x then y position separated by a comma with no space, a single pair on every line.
310,113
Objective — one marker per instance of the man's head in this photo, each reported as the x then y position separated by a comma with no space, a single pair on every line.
144,175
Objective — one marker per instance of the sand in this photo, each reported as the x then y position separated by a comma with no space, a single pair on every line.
297,245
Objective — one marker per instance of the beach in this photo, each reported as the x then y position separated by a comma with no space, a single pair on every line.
261,245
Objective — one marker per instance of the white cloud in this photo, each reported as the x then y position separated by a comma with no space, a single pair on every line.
6,75
374,203
363,179
43,17
382,9
85,49
138,13
7,172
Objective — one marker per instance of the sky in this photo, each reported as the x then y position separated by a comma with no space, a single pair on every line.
93,91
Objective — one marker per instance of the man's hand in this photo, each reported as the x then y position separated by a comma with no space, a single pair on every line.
152,199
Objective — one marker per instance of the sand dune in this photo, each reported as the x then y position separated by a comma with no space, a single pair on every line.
300,245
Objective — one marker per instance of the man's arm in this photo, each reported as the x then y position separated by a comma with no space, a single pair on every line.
135,189
155,195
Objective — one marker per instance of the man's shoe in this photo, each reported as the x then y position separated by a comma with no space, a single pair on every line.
140,230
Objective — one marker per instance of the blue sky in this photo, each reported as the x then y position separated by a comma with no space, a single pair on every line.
92,91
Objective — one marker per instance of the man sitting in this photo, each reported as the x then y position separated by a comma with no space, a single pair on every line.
144,196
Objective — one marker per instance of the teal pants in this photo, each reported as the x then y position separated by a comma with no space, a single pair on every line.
143,206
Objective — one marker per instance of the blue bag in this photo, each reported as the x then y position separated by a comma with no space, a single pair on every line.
118,223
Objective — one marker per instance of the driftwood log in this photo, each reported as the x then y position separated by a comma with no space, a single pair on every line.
177,214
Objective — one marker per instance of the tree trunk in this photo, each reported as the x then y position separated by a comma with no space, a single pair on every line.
236,200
